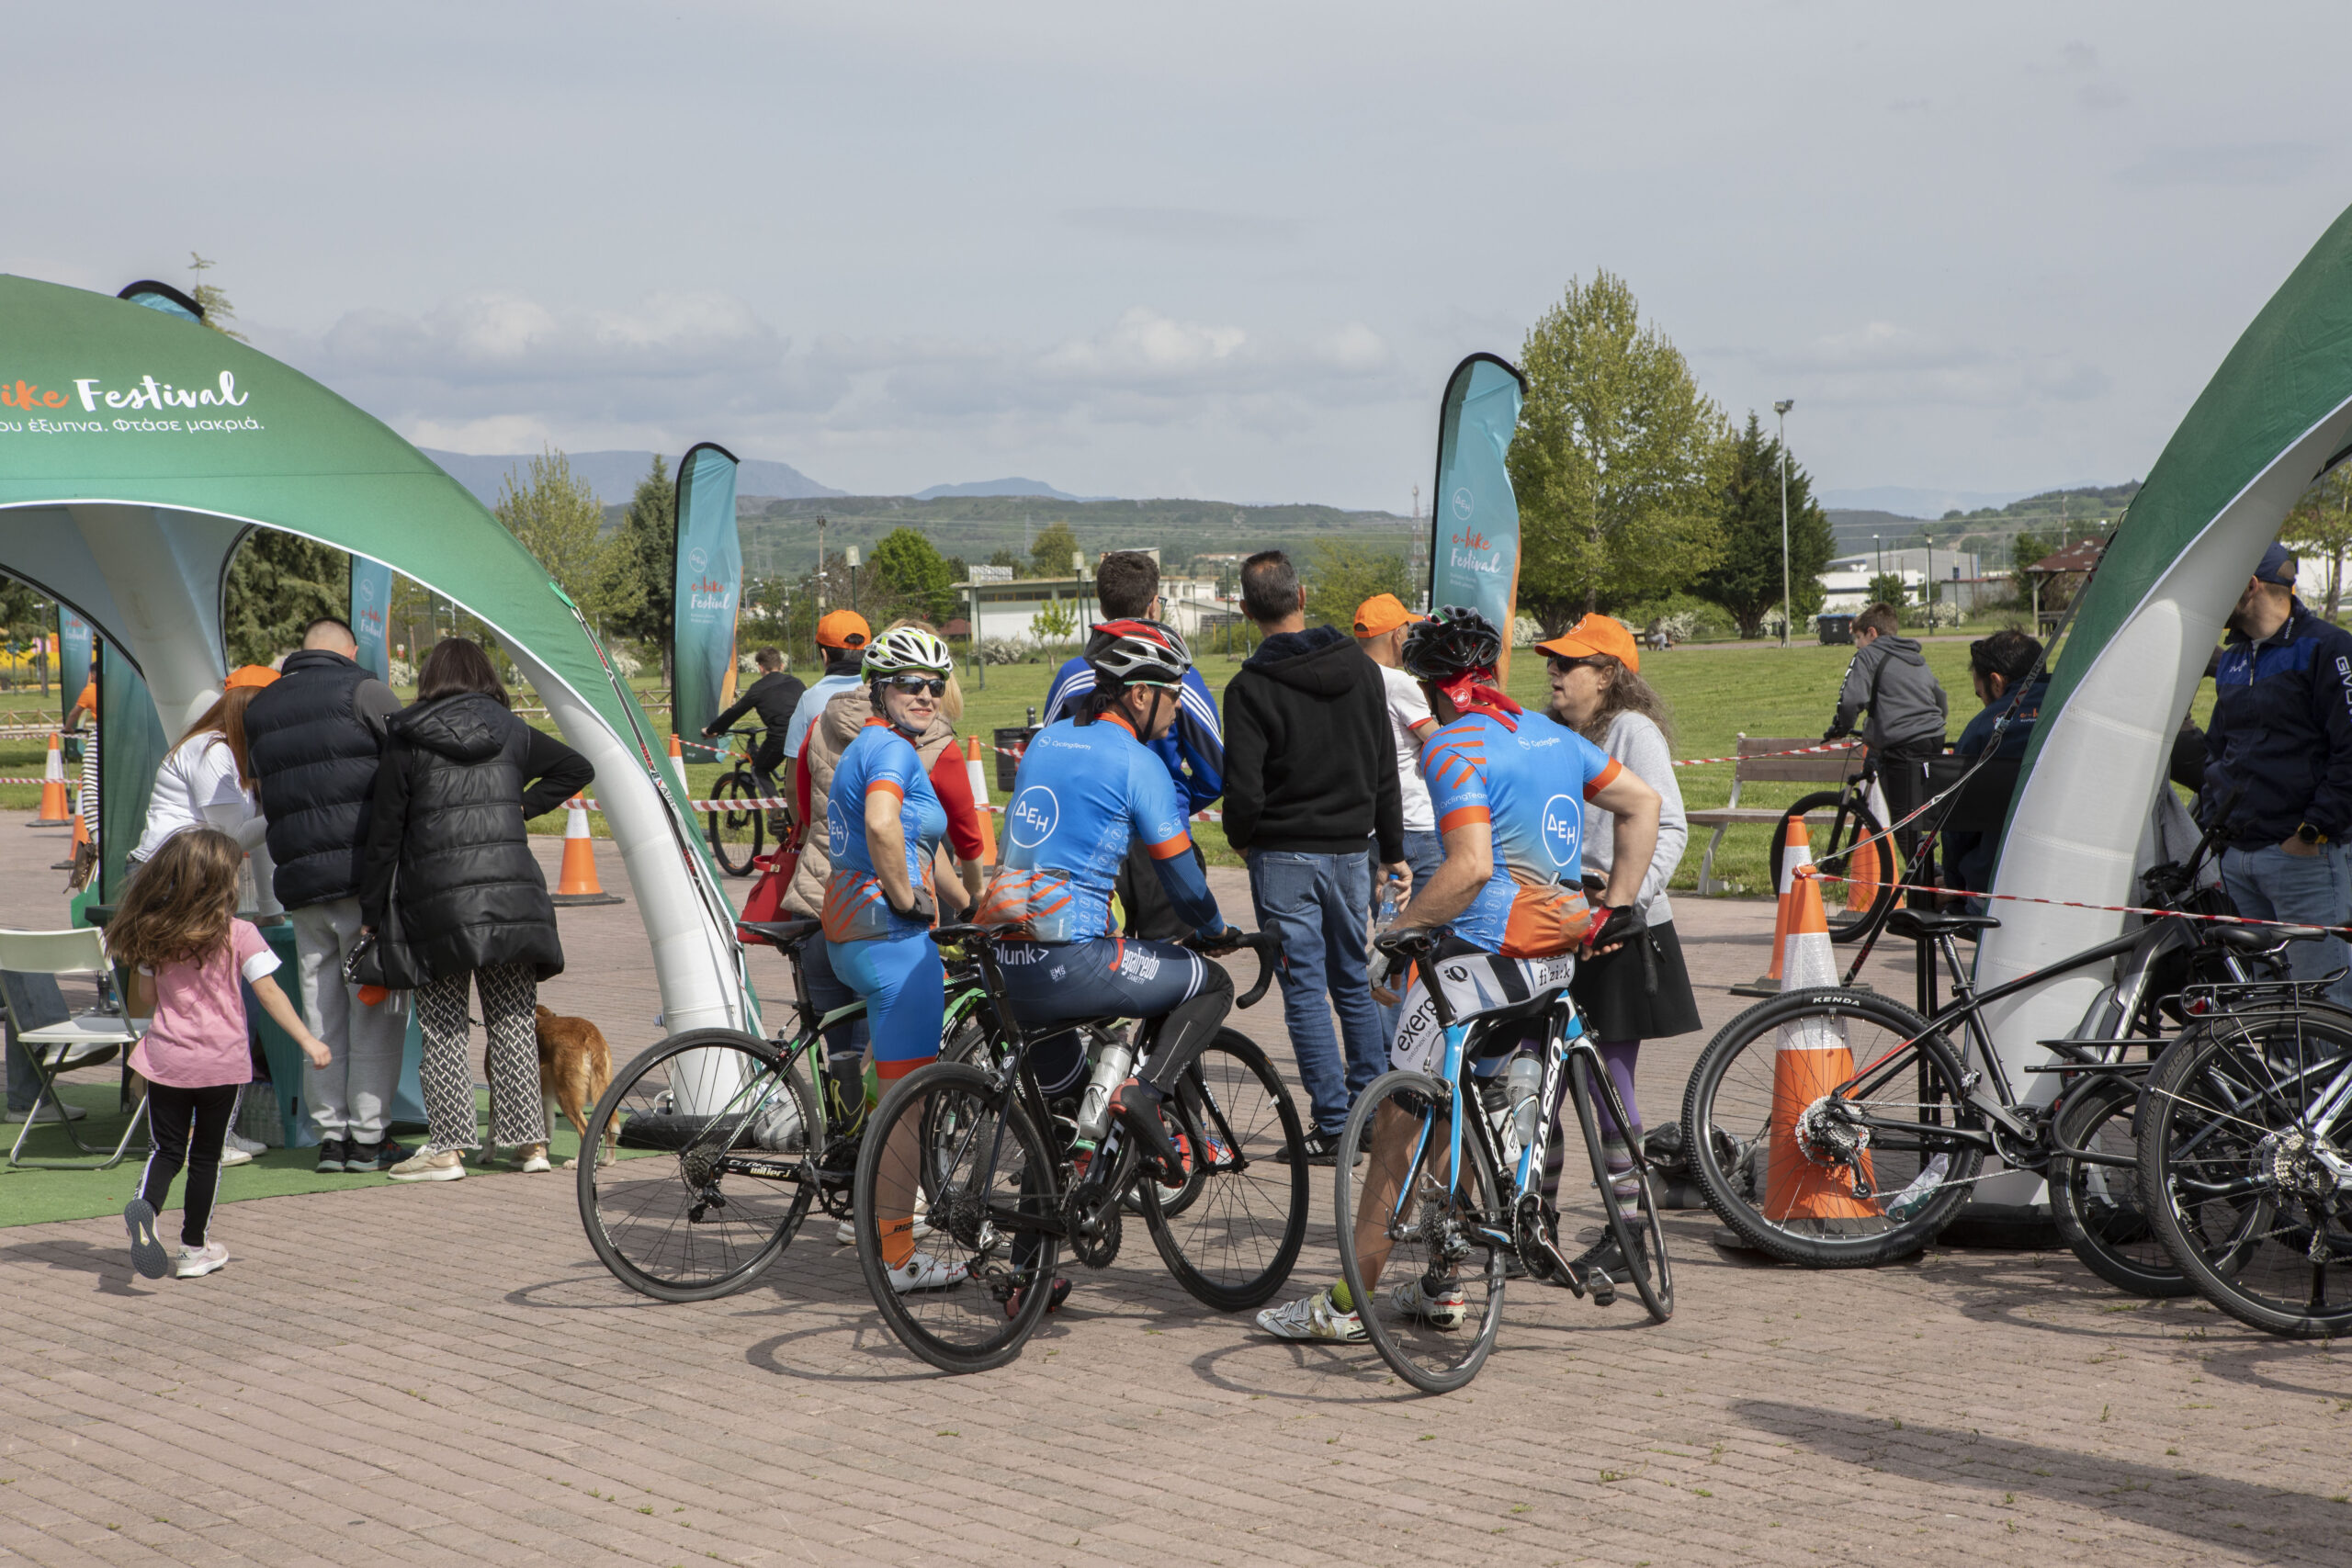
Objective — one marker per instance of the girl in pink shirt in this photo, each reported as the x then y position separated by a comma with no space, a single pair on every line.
177,933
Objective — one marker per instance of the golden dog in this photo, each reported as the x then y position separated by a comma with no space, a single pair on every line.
575,1067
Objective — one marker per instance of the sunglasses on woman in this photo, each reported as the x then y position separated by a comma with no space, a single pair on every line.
1561,666
915,686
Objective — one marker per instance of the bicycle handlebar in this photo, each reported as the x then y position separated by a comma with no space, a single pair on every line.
1267,945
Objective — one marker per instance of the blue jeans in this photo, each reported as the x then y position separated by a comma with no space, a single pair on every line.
1318,904
2268,884
1424,854
845,1042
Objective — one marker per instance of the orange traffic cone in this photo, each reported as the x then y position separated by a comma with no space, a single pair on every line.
55,809
677,776
81,837
1810,1059
1796,850
576,882
979,773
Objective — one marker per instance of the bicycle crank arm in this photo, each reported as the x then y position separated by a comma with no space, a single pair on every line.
1014,1222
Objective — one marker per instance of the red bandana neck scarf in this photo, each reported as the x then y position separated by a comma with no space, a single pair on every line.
1469,694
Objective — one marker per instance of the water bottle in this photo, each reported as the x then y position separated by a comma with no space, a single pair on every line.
1914,1198
1094,1109
1523,1083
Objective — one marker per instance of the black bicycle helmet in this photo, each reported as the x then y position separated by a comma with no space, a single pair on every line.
1456,640
1137,653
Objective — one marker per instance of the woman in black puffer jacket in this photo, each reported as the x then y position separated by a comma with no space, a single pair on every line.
451,804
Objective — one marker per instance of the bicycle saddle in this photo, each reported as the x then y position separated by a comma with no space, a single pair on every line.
785,934
1926,925
2262,939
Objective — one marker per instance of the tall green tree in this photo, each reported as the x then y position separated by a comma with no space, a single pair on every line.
1050,553
557,517
1615,460
1340,576
2320,530
908,567
639,581
1745,578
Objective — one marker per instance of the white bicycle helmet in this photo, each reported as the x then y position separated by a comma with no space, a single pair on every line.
1138,653
904,651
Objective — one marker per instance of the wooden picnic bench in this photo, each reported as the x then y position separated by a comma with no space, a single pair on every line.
1754,765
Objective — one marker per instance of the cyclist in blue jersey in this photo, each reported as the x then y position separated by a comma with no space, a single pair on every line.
1089,786
1509,799
883,822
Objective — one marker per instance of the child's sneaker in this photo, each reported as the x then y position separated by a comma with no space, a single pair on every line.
194,1262
147,1252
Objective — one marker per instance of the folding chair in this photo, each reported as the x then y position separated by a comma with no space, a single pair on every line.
55,1039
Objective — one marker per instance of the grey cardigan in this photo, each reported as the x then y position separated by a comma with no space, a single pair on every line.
1634,741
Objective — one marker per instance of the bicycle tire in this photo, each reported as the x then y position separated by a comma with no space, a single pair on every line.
966,1328
2233,1200
1247,1148
680,1228
1431,1355
1871,867
1729,1157
2096,1207
736,836
1643,1239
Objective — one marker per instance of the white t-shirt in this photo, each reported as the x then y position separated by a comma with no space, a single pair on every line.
200,772
1407,707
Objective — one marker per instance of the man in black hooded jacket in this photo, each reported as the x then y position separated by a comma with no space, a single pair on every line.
1310,782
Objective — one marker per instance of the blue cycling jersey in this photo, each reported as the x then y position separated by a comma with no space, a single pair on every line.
1529,782
1083,794
879,760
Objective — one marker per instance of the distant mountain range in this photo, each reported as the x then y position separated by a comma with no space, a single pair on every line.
614,475
1002,487
1906,502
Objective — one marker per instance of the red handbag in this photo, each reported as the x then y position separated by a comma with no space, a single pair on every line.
765,901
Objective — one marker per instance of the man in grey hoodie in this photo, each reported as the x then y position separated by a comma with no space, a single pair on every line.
1889,679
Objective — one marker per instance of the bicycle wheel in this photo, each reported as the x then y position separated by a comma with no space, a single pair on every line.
2234,1151
695,1172
1232,1232
2098,1207
984,1169
736,832
1640,1237
1852,850
1428,1231
1784,1163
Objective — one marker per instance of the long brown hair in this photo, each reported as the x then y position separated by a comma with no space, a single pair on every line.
1626,692
226,718
457,665
178,906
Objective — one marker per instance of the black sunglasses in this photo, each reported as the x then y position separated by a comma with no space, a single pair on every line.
1560,665
915,686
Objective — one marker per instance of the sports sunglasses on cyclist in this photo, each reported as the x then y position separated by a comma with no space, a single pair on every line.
914,685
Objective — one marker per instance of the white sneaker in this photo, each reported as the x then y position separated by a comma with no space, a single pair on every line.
429,1164
247,1146
923,1272
533,1157
194,1262
232,1154
1450,1308
1313,1317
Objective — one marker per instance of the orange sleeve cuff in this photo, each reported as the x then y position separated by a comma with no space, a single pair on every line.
1169,849
1462,817
889,786
1603,779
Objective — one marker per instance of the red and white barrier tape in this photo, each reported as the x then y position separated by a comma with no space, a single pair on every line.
1820,876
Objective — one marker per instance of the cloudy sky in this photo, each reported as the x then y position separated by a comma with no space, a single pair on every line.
1218,249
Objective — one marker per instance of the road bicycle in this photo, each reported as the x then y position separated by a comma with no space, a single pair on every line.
737,832
1007,1180
1452,1187
705,1153
1856,850
2245,1161
1837,1128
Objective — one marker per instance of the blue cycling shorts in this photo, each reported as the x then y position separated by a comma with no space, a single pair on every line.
905,987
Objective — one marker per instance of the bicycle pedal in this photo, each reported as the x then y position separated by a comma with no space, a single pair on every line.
1601,1288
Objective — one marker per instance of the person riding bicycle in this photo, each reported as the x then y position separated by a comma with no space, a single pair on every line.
775,694
884,821
1089,786
1509,900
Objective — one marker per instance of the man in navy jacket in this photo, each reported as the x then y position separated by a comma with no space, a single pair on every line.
2279,758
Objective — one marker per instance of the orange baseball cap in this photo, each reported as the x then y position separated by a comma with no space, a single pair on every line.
1381,613
1596,633
249,675
843,628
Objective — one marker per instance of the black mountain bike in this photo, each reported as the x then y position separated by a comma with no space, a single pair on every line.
737,832
1007,1188
1855,848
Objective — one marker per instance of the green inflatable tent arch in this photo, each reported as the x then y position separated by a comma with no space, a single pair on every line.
2276,415
138,447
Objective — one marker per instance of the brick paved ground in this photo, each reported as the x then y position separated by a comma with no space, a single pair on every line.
445,1374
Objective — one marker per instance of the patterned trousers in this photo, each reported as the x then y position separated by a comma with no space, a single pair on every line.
519,1113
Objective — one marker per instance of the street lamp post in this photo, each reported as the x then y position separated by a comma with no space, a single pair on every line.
1788,610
